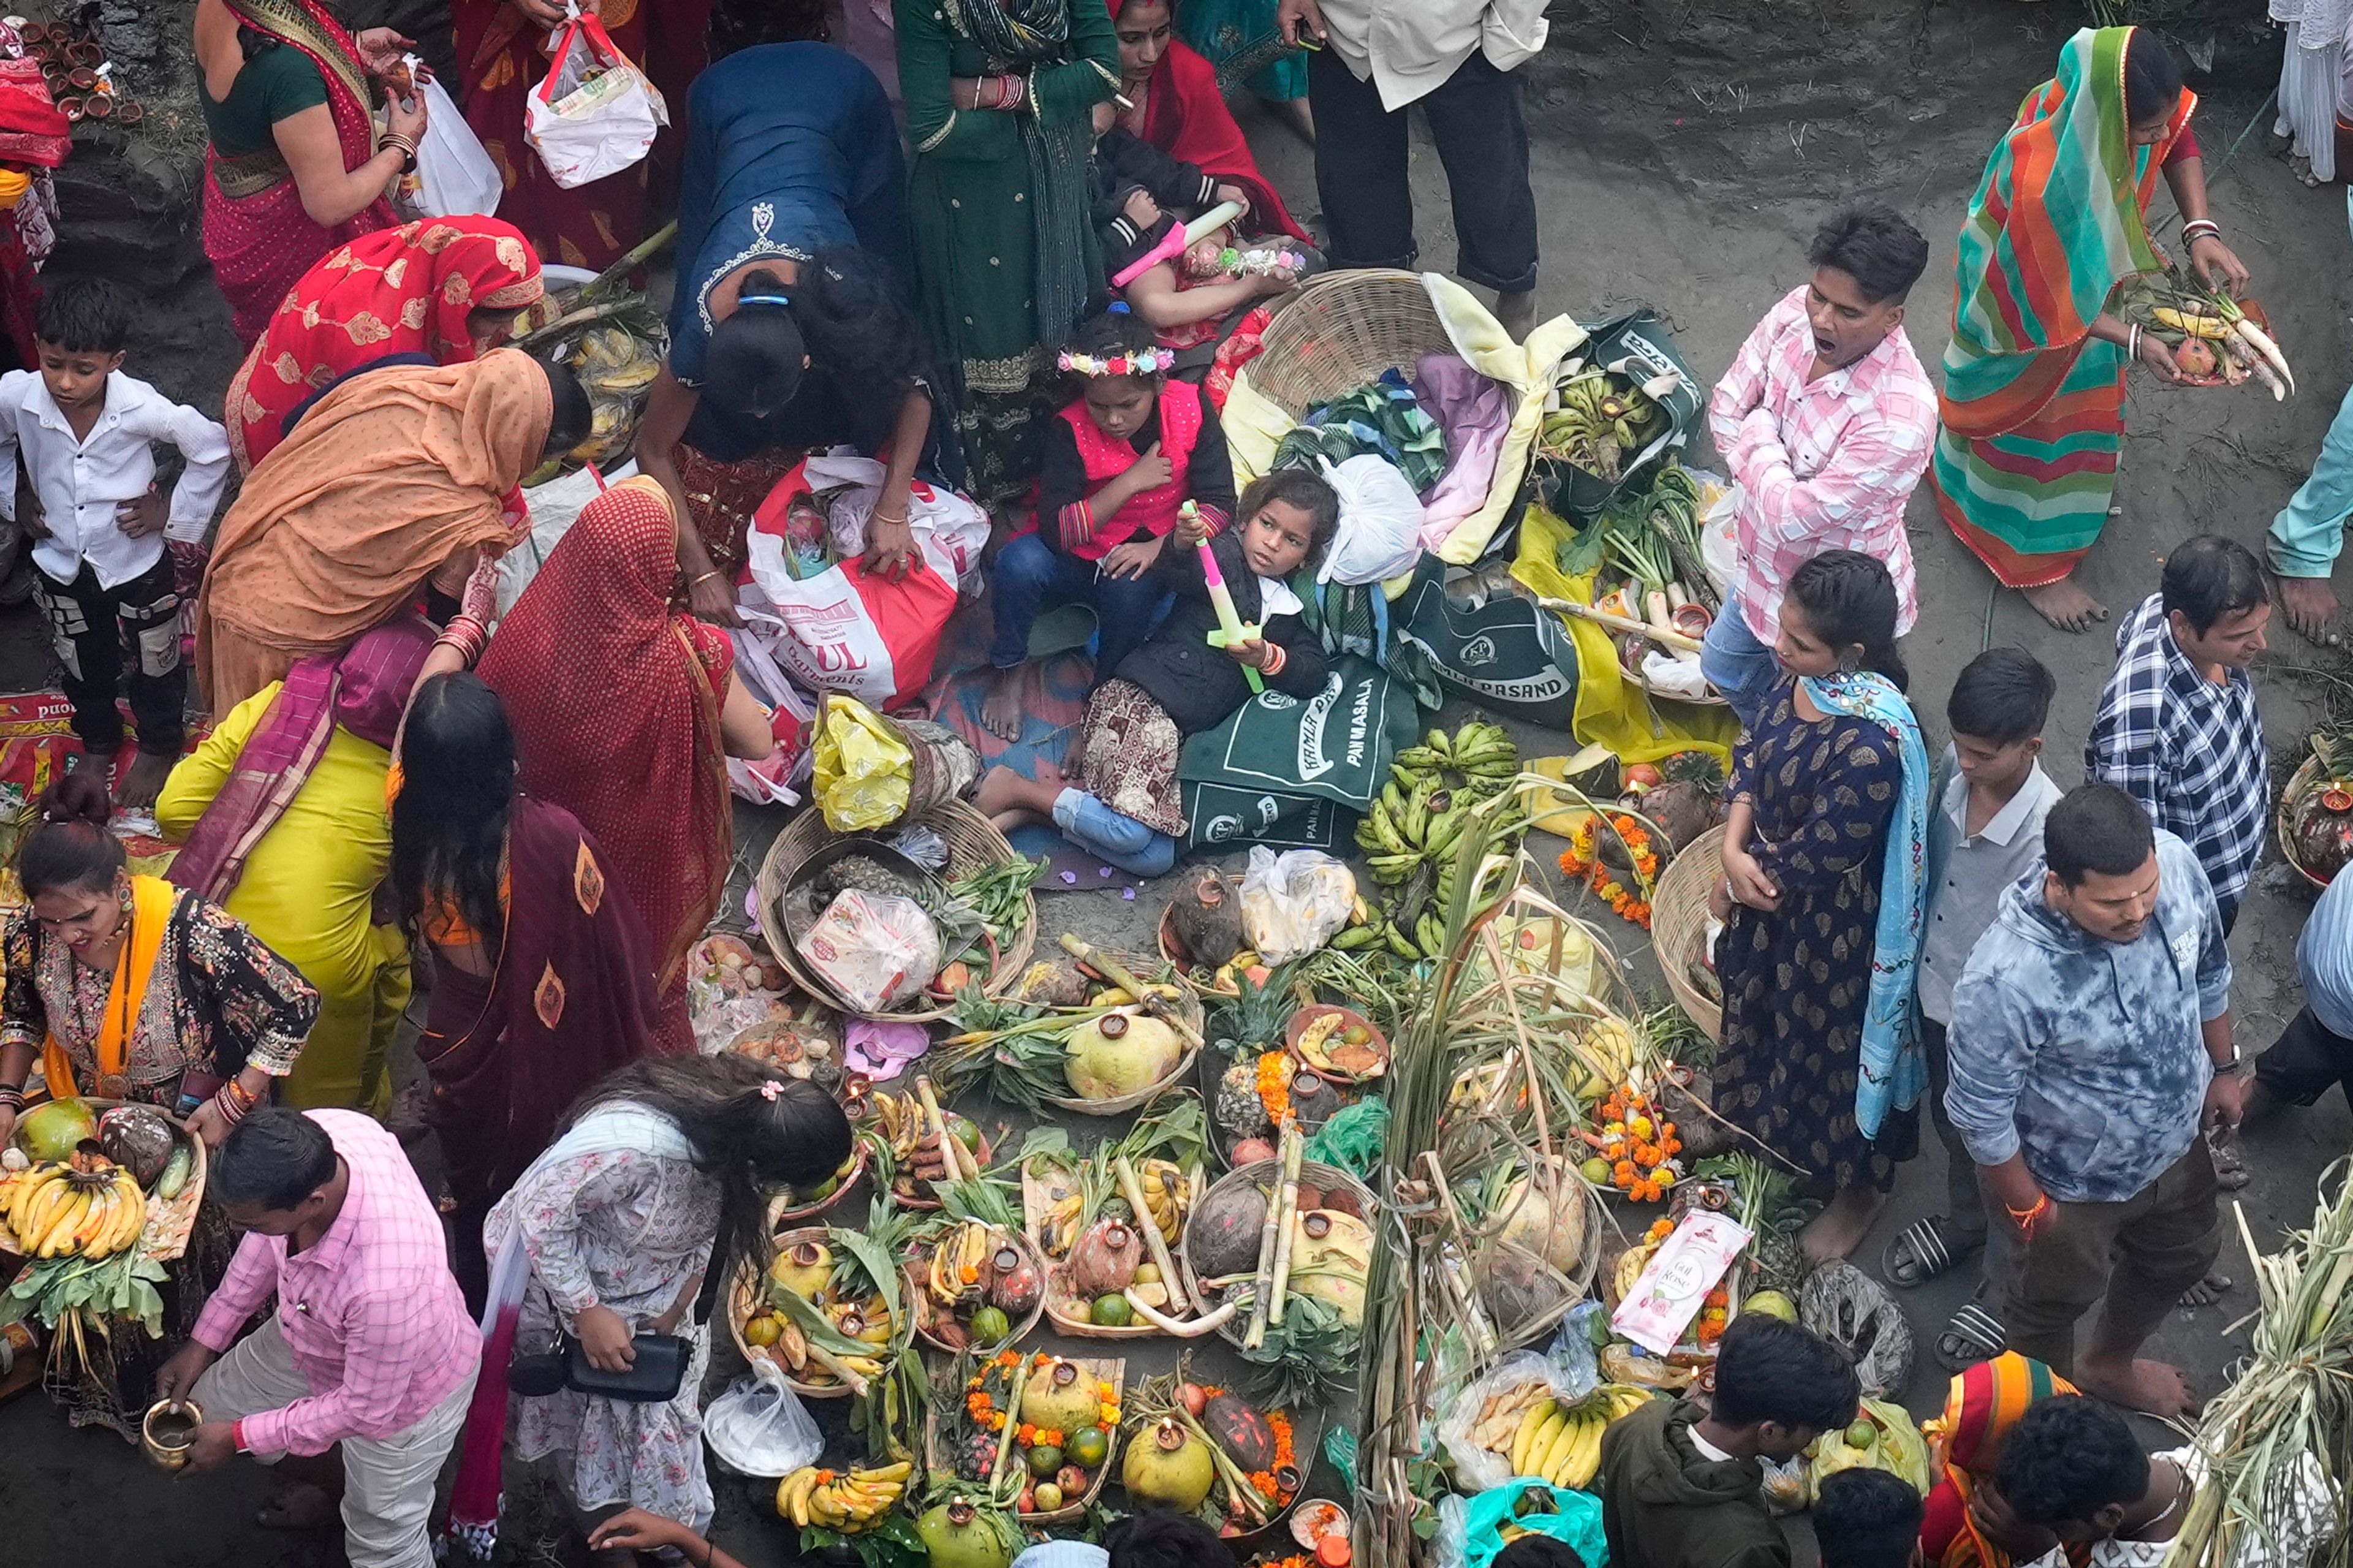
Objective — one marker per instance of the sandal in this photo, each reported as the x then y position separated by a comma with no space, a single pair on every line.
1972,1336
2231,1171
1919,1252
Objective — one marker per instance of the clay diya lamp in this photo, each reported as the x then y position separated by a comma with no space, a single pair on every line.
97,106
82,78
130,112
86,54
71,109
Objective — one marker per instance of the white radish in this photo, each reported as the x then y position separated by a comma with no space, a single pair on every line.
2264,373
1208,1323
2261,341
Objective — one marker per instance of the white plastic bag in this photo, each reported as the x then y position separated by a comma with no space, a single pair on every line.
554,506
595,113
950,528
454,175
1380,523
1478,1465
1719,531
758,1426
875,950
1294,902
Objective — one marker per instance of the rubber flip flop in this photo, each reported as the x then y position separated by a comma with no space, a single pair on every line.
1924,1254
1972,1336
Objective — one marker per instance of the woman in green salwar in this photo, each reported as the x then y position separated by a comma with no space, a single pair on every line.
1004,100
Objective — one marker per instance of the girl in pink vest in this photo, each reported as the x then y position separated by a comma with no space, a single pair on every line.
1117,463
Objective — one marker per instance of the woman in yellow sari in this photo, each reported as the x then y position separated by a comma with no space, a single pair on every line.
282,812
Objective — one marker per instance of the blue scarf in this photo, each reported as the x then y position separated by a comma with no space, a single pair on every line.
1895,1073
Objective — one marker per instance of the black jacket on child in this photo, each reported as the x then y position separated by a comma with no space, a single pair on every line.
1125,162
1199,685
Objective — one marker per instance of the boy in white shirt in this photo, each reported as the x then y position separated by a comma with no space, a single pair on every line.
84,430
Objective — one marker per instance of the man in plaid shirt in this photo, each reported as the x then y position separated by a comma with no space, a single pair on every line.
2176,727
1826,419
370,1354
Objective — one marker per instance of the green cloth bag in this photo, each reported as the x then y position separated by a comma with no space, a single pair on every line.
1292,774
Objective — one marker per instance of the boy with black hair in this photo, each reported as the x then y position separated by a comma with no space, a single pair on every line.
2090,1044
1536,1551
1867,1518
1826,419
1682,1483
2072,1466
88,498
1986,833
2176,727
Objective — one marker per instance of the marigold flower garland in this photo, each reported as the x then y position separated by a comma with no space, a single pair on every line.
1581,861
1639,1145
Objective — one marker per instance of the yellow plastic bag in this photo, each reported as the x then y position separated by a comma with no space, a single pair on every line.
864,773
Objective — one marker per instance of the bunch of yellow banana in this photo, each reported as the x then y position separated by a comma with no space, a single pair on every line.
55,1211
1058,1231
899,1118
847,1501
2212,327
1563,1446
1168,1194
957,1261
611,359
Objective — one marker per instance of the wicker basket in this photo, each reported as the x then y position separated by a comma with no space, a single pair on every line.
2298,786
973,842
1326,1177
922,1308
165,1236
1678,924
1038,1197
862,1156
1190,1010
1343,331
1100,1369
742,1297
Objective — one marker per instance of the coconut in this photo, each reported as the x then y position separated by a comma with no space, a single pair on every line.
1167,1465
1552,1228
958,1533
1123,1052
1331,1255
1061,1398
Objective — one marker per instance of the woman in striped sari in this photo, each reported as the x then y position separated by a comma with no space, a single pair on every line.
2034,376
1965,1443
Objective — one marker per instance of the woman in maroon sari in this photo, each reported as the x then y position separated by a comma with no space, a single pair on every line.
294,168
543,974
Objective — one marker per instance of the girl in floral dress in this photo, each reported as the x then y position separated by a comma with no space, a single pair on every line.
627,1224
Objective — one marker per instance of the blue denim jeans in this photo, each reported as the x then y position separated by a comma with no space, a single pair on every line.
1030,574
1736,664
1109,835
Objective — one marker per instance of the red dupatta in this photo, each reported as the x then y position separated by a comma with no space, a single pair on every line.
615,702
397,291
1185,117
257,236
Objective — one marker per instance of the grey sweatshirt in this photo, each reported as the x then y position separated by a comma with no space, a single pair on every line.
2086,1053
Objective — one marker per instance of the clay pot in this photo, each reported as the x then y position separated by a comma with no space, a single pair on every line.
97,106
87,54
60,33
129,113
82,78
71,109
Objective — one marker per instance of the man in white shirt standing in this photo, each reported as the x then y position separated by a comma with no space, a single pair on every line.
1827,421
85,431
1371,59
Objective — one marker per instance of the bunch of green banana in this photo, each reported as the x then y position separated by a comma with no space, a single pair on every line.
1369,928
1603,419
1479,760
1411,831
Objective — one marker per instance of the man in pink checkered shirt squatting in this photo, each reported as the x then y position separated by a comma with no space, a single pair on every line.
358,1383
1826,420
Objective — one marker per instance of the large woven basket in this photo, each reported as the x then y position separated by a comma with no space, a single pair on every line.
1343,331
743,1296
1678,924
973,843
165,1236
1311,1173
1102,1369
1187,1009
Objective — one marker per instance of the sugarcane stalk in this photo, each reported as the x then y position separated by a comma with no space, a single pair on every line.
1262,1286
849,1376
644,252
1012,1424
1151,1001
1131,1186
1293,1150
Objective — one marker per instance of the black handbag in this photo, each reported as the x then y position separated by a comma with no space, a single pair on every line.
654,1377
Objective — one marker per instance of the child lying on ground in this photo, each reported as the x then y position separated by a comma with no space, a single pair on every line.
1142,194
1121,801
1117,464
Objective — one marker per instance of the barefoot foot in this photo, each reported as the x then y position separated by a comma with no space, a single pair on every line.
2207,1292
1000,790
143,781
2309,604
2155,1387
1839,1229
1007,704
2065,605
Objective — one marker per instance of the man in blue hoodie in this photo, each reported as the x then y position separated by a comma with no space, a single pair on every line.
2090,1043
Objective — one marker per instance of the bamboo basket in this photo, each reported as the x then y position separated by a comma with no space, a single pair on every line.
1188,1008
973,842
165,1236
1326,1177
1343,331
1100,1369
2300,785
1038,1198
922,1309
1678,924
860,1157
741,1287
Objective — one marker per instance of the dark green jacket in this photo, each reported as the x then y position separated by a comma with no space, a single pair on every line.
1665,1507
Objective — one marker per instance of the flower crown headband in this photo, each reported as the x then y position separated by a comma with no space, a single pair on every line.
1140,362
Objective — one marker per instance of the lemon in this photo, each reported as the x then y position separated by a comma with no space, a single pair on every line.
763,1330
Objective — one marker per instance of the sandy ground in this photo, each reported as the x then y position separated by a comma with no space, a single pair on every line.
1683,153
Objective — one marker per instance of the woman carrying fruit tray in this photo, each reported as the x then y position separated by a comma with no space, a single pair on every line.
623,1227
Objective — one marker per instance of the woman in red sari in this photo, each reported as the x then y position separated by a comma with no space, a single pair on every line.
445,288
595,636
502,56
1179,109
542,977
294,167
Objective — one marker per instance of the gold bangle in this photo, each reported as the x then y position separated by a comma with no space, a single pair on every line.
706,578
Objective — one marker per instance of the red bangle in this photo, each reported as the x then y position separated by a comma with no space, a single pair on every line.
1275,659
236,1435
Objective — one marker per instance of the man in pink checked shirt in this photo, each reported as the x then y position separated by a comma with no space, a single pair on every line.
370,1354
1826,420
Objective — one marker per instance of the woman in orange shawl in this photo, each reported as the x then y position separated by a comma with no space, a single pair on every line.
396,476
1982,1406
595,633
446,288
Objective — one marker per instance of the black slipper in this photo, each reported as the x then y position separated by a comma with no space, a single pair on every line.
1972,1336
1919,1252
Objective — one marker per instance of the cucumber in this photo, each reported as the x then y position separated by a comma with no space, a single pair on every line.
176,1173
